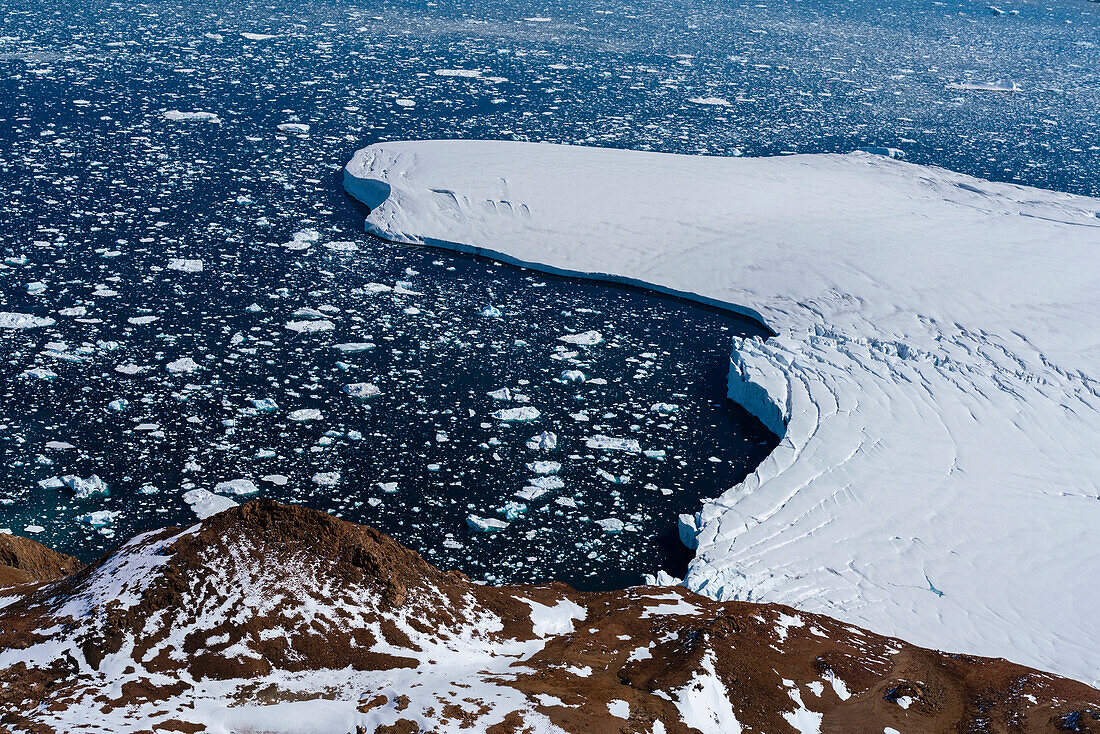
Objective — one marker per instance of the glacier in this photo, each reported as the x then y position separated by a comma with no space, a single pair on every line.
932,376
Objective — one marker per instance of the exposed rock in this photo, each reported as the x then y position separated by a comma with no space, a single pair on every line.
275,618
22,561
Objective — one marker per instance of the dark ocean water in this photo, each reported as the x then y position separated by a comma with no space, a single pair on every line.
102,190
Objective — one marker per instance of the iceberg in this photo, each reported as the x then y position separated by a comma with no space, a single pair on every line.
85,488
236,486
932,375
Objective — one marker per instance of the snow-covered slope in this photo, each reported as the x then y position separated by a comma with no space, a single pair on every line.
933,378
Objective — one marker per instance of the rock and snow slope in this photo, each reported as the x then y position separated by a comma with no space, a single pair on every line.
288,621
933,378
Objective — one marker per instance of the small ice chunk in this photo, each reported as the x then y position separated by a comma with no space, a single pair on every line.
327,479
611,525
388,487
501,394
544,441
512,510
277,479
305,414
573,376
664,408
491,312
264,404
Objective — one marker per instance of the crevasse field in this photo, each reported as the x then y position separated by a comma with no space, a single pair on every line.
193,316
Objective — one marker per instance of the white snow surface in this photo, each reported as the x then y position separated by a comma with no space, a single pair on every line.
933,377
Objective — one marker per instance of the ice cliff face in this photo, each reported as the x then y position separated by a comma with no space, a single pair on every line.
279,619
933,377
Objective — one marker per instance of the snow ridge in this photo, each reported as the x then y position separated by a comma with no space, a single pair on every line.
932,378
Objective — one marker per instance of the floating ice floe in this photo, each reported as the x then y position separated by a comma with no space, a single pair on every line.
485,524
609,443
585,338
293,128
40,373
310,326
305,414
544,467
184,265
360,390
710,101
327,478
517,415
490,312
351,347
10,320
182,365
197,116
1001,85
205,504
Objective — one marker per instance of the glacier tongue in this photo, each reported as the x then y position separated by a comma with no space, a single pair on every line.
932,377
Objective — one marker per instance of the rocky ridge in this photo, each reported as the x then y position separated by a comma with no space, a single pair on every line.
274,618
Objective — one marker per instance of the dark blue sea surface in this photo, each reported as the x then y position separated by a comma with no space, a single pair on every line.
111,197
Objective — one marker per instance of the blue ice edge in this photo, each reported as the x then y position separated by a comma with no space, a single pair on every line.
750,395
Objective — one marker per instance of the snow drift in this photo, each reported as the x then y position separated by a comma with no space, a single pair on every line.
932,378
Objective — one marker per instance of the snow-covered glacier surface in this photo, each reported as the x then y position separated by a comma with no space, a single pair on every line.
933,377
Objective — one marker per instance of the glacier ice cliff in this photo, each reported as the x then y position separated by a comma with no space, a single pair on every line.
932,378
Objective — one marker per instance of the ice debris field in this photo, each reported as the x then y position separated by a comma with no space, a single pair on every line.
933,376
